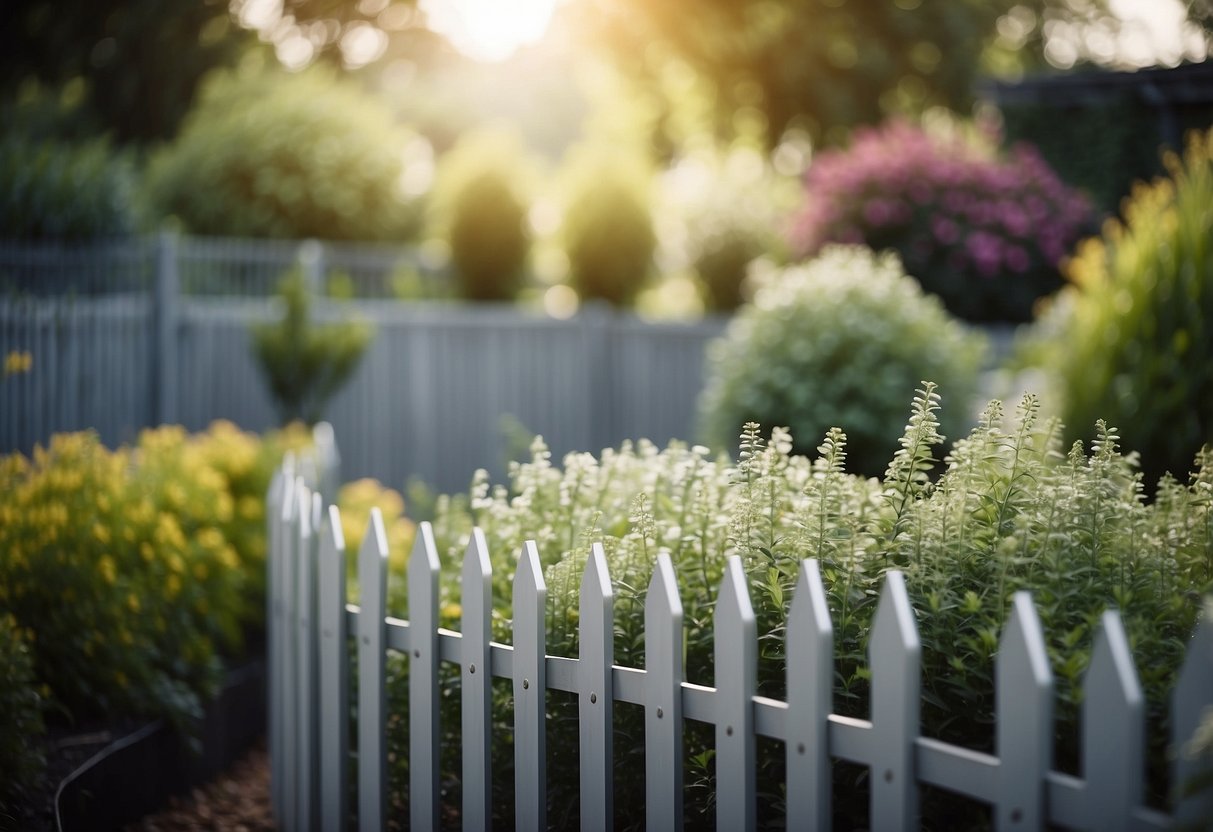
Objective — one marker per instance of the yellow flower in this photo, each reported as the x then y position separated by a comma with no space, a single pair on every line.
452,610
108,569
101,533
172,586
132,602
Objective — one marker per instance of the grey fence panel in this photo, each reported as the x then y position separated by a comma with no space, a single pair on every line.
372,692
1024,694
1192,702
530,688
810,673
423,681
334,705
736,649
596,695
894,656
477,679
663,699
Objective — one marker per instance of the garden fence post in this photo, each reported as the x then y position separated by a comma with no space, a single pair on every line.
1192,700
1023,683
1113,735
372,692
596,695
477,684
894,657
663,700
736,662
165,311
530,684
328,461
306,679
290,698
810,674
423,681
334,675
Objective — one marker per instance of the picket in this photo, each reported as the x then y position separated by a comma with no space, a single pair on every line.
334,748
1192,701
1019,784
423,681
477,678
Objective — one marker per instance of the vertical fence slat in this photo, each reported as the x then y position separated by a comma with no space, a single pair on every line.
1024,696
290,698
810,669
372,658
530,682
894,657
1112,730
596,656
736,681
1191,701
305,669
334,675
424,800
273,622
663,700
477,591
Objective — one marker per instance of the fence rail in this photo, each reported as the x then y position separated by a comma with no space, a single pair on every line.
166,343
310,689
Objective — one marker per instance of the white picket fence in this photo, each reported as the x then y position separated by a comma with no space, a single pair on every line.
310,624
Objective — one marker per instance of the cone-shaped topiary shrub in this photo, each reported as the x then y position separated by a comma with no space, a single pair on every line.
841,340
1132,338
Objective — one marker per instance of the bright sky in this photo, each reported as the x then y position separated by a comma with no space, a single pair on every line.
489,30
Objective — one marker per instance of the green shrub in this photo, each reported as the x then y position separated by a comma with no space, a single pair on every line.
1133,337
21,726
1009,511
136,569
285,155
841,340
479,205
305,364
608,227
64,192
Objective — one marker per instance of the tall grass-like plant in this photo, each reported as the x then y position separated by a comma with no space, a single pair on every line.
1009,508
1132,338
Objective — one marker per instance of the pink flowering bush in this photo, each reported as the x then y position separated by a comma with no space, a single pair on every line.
984,233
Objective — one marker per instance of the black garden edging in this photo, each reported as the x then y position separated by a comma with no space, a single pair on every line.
135,775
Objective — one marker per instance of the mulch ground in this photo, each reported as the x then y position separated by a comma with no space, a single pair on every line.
238,801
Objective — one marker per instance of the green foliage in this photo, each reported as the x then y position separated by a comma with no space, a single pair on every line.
64,192
1132,338
608,228
840,340
480,206
21,726
132,571
282,155
304,363
1009,511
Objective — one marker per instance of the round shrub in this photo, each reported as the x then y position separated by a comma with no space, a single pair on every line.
841,341
63,192
289,156
608,227
1133,335
479,205
985,234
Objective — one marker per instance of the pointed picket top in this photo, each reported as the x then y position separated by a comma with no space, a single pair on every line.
530,683
736,658
328,460
1024,697
663,698
1191,701
334,674
1113,730
810,677
423,680
372,657
596,699
476,676
894,658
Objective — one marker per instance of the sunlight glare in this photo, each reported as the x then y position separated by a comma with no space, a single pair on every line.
489,30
